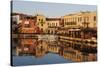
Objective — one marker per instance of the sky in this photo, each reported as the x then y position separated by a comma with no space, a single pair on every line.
49,9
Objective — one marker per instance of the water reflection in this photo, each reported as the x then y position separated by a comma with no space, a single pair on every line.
41,47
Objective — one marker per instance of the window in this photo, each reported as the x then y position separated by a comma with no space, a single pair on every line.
87,18
48,24
39,19
56,24
94,18
84,19
42,20
65,23
41,24
80,18
74,23
52,24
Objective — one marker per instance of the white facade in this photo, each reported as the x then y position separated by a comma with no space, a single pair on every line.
16,18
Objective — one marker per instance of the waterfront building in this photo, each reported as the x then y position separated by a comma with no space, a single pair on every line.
89,19
70,21
81,19
18,17
73,21
53,24
41,22
28,26
79,25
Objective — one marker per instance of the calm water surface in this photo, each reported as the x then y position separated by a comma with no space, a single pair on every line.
49,58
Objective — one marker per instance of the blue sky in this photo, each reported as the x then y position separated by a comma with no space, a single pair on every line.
49,9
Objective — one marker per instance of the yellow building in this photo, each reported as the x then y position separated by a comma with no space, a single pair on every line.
53,24
70,21
41,22
89,19
81,19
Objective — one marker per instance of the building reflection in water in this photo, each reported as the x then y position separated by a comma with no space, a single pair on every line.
39,48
